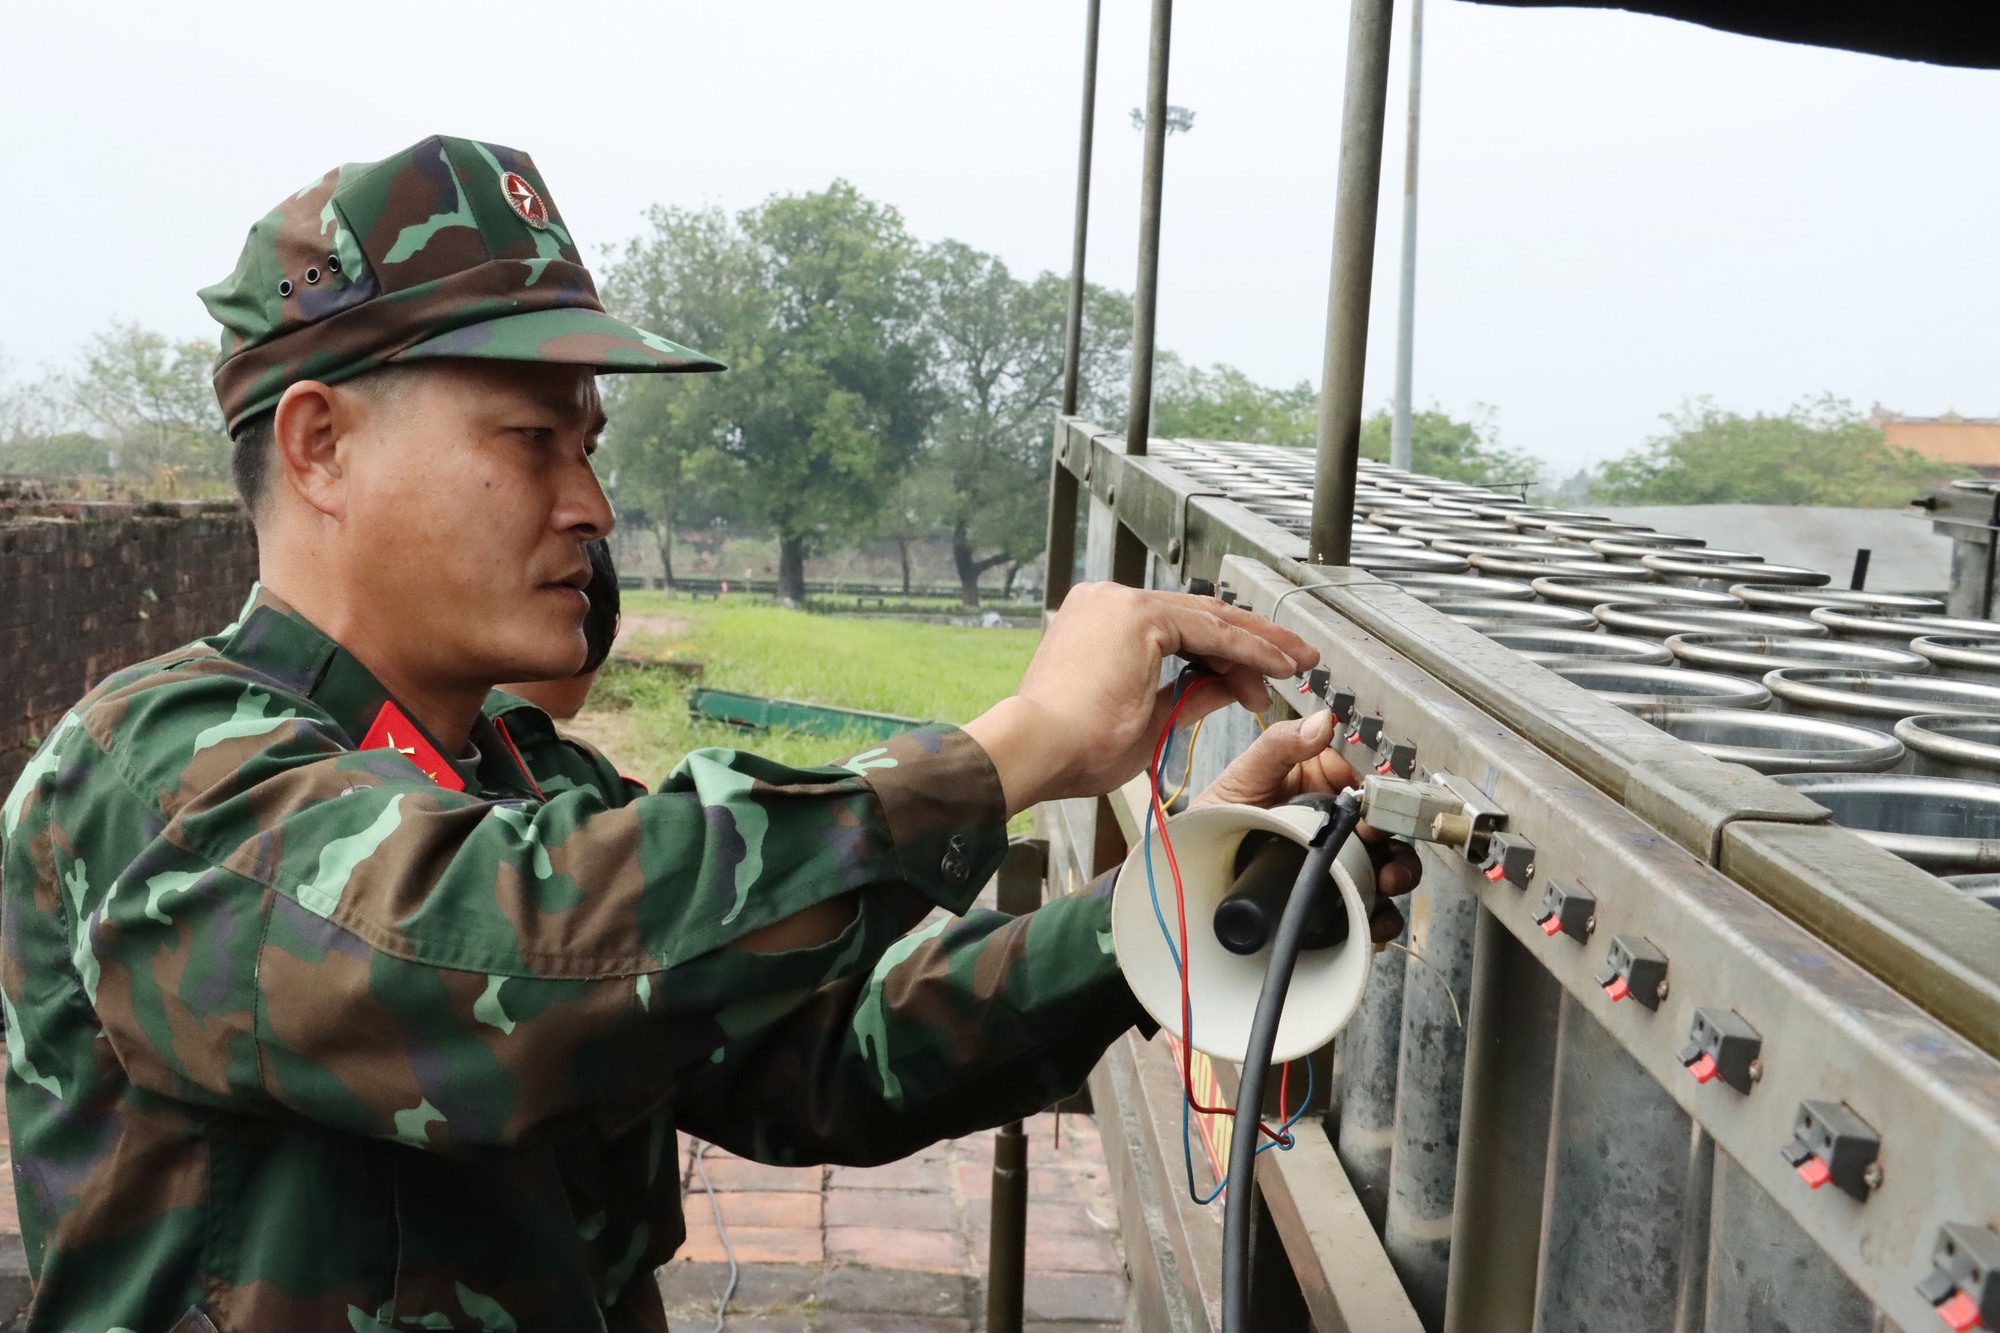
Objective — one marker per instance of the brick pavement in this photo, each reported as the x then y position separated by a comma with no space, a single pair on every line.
899,1248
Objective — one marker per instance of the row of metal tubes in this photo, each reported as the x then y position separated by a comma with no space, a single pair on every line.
1523,1170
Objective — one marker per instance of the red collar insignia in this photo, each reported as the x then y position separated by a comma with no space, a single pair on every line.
393,730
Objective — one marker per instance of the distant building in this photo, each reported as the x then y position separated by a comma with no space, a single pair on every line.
1968,441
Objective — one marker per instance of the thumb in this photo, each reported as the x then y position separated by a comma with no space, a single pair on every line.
1282,747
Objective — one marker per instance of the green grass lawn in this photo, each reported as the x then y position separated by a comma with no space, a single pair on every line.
638,714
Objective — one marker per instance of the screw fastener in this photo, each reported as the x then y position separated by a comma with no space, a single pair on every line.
1756,1071
1873,1175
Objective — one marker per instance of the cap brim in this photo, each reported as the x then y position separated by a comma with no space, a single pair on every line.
570,336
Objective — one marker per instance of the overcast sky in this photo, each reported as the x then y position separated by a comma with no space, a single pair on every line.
1619,212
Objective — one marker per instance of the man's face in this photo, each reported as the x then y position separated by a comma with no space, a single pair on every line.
469,497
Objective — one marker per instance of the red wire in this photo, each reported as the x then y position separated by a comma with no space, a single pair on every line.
1180,910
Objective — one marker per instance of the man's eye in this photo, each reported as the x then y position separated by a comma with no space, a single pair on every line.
540,434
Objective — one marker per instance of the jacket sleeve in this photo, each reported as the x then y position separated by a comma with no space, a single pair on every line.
263,919
961,1026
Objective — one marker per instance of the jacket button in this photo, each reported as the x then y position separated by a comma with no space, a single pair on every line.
955,868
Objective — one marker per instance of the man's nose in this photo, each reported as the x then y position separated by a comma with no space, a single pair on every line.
584,508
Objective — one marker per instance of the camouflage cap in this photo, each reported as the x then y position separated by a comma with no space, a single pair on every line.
450,248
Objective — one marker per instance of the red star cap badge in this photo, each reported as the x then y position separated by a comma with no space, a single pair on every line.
522,197
393,730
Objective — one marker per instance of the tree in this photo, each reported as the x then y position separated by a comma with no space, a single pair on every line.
998,373
152,401
1443,446
697,276
1820,452
1223,403
814,301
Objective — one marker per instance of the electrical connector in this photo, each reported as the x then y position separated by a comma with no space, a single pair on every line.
1832,1145
1634,970
1721,1045
1964,1281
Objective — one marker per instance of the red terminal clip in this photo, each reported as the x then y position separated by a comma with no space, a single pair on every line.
1354,739
1384,766
1304,687
1551,925
1960,1313
1703,1068
1618,989
1496,872
1814,1172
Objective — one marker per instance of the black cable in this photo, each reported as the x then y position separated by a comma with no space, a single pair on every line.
1236,1210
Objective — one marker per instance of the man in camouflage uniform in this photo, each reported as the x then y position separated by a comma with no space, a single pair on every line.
341,996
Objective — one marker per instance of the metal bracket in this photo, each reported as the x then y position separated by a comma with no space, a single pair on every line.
1177,543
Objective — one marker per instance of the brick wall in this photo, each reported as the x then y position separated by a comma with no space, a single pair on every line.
87,588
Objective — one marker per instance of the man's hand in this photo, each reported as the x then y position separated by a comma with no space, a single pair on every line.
1090,706
1295,759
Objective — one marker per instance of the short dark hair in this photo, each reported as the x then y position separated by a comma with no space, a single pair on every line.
252,443
600,622
250,458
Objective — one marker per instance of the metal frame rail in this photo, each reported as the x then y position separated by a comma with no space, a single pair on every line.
1554,1165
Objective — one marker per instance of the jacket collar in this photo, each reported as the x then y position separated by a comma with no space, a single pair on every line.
274,640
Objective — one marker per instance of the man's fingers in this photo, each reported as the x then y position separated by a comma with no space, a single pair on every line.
1385,923
1204,632
1398,869
1294,647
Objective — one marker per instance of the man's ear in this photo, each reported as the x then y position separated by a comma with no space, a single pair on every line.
306,433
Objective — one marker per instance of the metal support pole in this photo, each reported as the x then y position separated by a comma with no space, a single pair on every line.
1353,274
1019,892
1430,1086
1146,295
1503,1144
1059,559
1073,335
1400,449
1613,1231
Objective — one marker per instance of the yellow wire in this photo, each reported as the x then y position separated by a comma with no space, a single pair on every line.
1187,771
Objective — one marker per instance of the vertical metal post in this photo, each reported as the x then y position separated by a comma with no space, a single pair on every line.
1073,335
1430,1086
1400,448
1019,892
1146,295
1613,1231
1059,550
1353,274
1765,1275
1503,1144
1859,579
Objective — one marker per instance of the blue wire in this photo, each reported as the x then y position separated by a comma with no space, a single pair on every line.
1284,1140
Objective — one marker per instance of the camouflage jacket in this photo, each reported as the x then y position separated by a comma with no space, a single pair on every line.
302,1040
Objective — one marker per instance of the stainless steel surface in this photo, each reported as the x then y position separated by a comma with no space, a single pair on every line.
1765,1274
1790,600
1898,628
1430,587
1782,743
1635,545
1984,887
1648,689
1351,284
1590,591
1874,698
1533,562
1548,646
1436,562
1490,612
1152,181
1511,1020
1617,1190
1952,745
1689,571
1659,621
1961,656
1945,825
1501,543
1754,654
